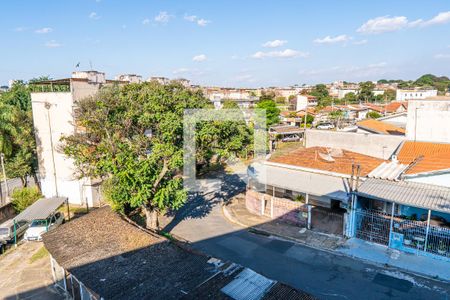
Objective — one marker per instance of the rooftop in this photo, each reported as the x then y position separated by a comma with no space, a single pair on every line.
380,127
415,194
331,160
118,260
430,156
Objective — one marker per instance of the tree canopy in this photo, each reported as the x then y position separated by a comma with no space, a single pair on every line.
133,136
272,111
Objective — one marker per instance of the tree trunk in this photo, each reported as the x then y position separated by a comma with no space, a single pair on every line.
36,181
24,181
151,218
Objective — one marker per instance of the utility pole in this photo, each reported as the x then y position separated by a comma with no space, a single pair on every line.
2,157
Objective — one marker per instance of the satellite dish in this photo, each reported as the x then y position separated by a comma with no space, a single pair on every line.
326,157
336,152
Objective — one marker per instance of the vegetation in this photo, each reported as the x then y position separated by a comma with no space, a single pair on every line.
41,253
24,197
321,92
366,91
272,111
441,83
133,138
373,115
17,139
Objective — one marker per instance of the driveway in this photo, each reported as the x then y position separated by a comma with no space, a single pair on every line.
323,274
23,278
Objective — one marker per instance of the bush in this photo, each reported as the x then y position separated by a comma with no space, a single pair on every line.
24,197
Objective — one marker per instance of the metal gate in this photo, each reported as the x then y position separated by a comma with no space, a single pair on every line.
372,226
327,220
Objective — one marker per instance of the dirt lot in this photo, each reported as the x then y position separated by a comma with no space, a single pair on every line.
25,273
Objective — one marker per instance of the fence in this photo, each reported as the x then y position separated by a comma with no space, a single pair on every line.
407,235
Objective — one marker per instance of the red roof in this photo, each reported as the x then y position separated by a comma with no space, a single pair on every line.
434,156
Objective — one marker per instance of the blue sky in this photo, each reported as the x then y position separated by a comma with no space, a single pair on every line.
228,42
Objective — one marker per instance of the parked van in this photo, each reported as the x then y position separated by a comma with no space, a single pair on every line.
7,230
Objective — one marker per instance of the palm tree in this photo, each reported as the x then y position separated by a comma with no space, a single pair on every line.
7,128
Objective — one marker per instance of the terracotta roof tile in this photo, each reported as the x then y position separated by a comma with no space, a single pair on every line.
380,127
314,158
435,156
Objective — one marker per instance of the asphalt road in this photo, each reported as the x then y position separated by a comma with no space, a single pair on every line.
323,274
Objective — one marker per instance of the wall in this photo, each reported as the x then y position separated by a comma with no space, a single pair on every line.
6,212
428,121
60,115
282,209
376,145
403,95
438,179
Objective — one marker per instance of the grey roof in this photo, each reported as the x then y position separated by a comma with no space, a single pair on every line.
388,170
321,185
415,194
248,285
41,209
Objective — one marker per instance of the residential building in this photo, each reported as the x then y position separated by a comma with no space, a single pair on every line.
130,78
4,88
396,119
428,120
378,127
115,259
53,118
344,91
161,80
183,81
304,101
414,94
243,97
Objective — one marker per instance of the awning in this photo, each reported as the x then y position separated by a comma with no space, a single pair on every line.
41,209
409,193
320,185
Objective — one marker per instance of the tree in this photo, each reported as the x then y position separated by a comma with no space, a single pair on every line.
267,95
389,95
7,128
350,98
133,138
309,119
280,100
373,115
272,111
24,197
18,96
320,91
366,91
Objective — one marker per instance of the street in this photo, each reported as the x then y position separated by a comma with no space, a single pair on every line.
323,274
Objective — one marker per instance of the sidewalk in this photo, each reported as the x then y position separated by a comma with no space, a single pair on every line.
421,265
236,212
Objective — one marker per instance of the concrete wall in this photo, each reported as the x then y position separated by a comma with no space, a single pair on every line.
376,145
428,121
6,212
61,179
437,179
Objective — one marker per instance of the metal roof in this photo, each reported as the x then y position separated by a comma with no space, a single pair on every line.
388,170
294,179
40,209
248,285
415,194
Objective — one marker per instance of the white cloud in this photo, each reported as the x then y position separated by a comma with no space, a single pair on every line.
274,43
199,21
383,24
387,23
332,40
440,18
146,21
94,16
163,17
200,58
44,30
20,29
360,42
52,44
442,56
288,53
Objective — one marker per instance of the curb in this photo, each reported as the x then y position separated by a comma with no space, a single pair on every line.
254,230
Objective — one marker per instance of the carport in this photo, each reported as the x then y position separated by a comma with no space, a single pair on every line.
40,210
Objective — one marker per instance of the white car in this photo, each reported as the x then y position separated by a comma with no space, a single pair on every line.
325,126
39,227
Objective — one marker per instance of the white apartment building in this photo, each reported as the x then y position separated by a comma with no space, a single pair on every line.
53,118
304,101
428,120
344,91
161,80
131,78
413,94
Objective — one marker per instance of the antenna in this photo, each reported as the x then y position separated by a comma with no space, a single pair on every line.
90,64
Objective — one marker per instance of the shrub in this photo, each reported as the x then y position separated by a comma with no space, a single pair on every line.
24,197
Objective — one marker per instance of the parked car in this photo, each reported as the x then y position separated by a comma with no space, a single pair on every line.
7,230
325,126
38,227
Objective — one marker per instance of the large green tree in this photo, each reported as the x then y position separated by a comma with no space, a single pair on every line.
366,91
133,137
272,111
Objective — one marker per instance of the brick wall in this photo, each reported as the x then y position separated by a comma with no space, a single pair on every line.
283,209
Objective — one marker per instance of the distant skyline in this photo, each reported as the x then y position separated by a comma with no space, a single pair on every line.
227,43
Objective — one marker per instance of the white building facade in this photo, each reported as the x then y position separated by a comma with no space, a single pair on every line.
414,94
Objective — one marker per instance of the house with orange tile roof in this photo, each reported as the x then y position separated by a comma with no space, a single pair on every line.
378,127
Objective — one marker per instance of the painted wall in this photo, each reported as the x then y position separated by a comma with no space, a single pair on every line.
376,145
428,121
